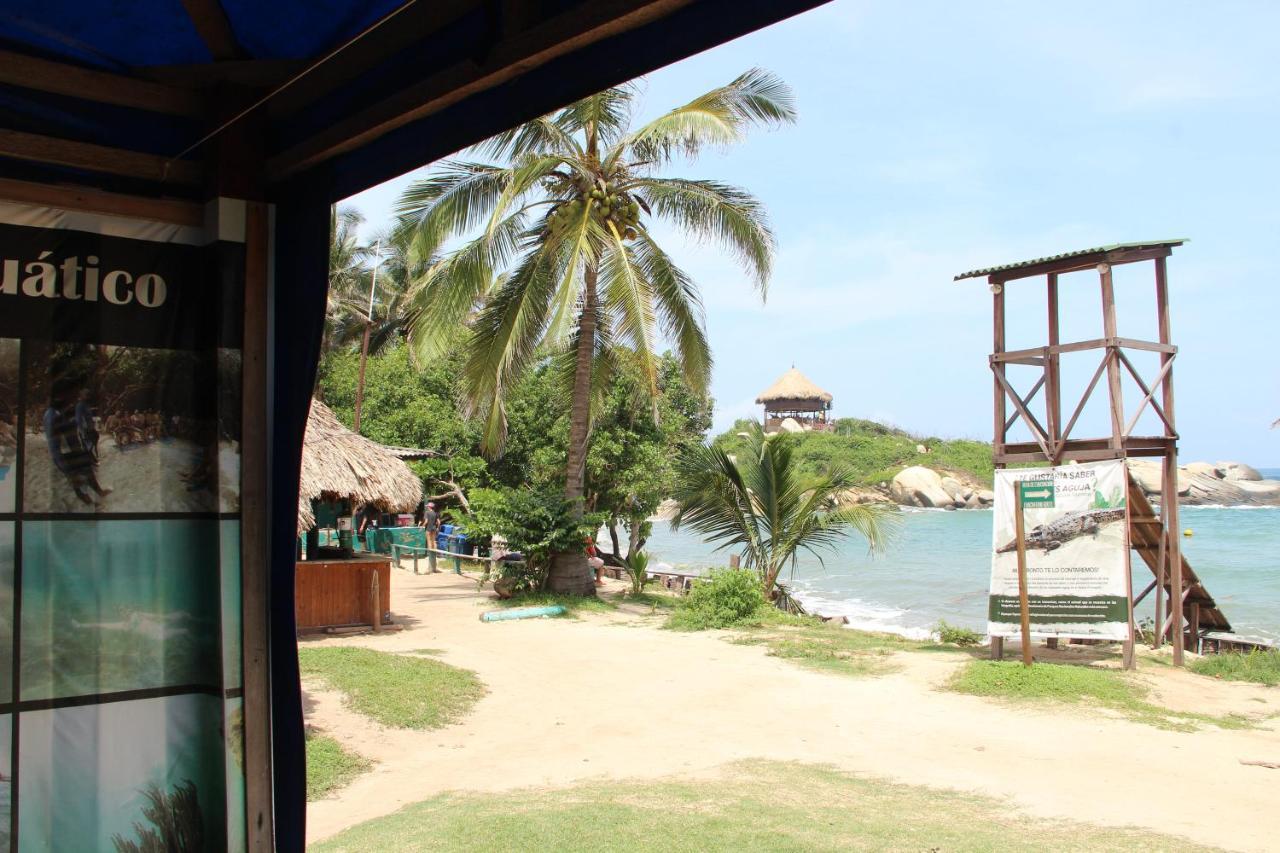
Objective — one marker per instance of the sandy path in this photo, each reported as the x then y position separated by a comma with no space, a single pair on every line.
607,696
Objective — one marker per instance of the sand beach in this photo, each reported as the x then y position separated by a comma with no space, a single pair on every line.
618,698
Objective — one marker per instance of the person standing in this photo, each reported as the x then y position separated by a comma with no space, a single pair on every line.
431,525
67,452
368,523
87,423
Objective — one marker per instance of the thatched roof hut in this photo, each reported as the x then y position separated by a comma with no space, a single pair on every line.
337,463
794,403
793,385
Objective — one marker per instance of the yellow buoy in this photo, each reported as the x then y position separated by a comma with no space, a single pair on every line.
1187,532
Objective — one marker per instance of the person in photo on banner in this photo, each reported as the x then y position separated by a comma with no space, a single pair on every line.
65,440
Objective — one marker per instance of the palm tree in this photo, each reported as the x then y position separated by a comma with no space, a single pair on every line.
762,505
392,313
348,272
559,258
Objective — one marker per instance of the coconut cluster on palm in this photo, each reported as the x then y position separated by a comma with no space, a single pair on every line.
558,259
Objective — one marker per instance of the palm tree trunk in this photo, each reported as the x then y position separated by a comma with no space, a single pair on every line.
569,571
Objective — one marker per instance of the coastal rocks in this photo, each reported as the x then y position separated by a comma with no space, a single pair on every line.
1238,471
1205,484
958,490
920,486
862,496
1206,469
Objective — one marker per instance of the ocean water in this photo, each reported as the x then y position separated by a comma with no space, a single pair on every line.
939,564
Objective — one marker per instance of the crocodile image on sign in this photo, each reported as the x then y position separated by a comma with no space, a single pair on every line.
1049,536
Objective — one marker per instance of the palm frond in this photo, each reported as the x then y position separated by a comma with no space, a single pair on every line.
717,118
450,202
504,338
716,211
542,134
679,308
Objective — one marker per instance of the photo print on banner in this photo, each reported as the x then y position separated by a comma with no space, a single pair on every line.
116,429
121,710
9,367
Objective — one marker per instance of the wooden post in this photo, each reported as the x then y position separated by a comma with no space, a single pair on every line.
1169,497
375,594
1020,531
1162,557
1052,374
1130,650
255,537
1113,357
1194,627
997,648
997,347
1169,479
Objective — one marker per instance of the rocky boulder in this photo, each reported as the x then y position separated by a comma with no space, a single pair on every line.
1238,471
1206,469
920,486
958,490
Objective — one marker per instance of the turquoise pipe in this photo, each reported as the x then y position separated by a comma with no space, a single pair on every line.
521,613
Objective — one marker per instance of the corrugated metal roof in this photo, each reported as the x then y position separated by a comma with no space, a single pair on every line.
1097,250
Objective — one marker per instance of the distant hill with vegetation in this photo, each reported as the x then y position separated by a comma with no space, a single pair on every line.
876,452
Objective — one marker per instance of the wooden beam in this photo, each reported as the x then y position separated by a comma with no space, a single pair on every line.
70,197
557,37
97,158
1080,263
1150,392
215,31
59,78
1150,346
1026,400
997,348
1052,370
1084,399
1116,391
1037,431
255,529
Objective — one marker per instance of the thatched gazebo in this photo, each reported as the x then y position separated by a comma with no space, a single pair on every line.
338,464
795,404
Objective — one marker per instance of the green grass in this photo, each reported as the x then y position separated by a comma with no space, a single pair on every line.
756,806
1257,666
1051,683
573,604
815,644
656,600
329,766
400,691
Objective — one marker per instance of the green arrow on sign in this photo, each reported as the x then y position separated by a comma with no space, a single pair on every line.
1037,493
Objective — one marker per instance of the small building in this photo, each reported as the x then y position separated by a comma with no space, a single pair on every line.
341,472
794,404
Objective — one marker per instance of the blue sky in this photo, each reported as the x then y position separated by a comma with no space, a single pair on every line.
939,137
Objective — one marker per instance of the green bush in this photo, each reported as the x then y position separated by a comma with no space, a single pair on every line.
956,635
729,597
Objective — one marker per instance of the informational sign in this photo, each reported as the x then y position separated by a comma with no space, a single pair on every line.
1076,541
121,714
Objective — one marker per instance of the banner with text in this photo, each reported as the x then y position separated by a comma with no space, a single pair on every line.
1077,537
121,697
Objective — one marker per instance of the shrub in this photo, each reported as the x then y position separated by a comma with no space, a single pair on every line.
729,597
538,523
956,635
637,566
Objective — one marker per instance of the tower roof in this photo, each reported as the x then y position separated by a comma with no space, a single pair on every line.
793,385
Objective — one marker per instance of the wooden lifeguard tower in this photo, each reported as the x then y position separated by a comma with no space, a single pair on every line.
794,397
1156,538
